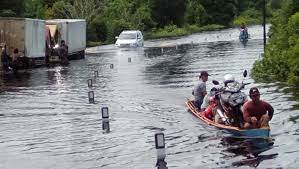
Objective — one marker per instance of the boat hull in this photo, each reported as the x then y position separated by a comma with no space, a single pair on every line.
235,131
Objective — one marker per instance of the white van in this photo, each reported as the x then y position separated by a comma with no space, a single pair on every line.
132,38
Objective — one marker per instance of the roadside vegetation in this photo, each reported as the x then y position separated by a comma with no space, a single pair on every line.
171,18
281,59
155,18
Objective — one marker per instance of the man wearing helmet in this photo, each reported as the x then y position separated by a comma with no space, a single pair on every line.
256,113
228,78
199,90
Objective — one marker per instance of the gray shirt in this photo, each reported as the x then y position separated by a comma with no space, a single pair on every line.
199,90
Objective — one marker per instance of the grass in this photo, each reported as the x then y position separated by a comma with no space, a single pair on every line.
174,31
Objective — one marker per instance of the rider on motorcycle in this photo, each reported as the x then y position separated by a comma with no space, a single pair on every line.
244,30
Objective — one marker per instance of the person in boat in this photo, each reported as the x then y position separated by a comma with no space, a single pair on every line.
212,93
199,90
210,111
256,113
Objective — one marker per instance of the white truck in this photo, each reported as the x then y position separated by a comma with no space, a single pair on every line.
27,35
72,31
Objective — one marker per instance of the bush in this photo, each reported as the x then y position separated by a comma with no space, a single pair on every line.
115,27
97,30
249,17
7,13
281,59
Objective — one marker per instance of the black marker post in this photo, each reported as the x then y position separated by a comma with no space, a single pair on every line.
105,119
89,82
160,146
91,96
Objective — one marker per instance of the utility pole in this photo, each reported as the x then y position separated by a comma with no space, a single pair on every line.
264,24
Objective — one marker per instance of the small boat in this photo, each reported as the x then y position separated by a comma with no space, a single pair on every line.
235,131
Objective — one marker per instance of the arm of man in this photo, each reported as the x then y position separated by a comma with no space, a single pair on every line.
246,113
270,110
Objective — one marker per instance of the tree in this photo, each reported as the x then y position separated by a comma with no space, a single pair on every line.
142,18
166,12
34,9
220,12
281,57
195,13
11,8
76,9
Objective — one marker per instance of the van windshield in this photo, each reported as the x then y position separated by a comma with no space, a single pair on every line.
127,36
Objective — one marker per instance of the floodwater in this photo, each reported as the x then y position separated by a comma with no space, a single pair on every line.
47,122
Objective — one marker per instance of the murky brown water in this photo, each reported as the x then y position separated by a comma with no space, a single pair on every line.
46,120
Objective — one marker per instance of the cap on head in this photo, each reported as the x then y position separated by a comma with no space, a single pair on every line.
254,91
204,73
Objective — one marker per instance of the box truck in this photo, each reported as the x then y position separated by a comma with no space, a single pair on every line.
26,35
72,31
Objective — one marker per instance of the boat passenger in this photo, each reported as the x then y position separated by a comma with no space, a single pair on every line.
230,82
199,90
209,112
256,113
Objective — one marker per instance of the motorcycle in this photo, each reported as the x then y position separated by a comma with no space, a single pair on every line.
231,100
243,35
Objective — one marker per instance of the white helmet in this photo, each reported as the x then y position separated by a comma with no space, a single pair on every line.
228,78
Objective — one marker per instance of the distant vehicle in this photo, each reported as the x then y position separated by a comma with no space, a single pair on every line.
132,38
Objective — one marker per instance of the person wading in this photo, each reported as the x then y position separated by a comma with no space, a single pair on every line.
64,53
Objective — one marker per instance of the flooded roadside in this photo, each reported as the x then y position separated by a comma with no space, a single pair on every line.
47,122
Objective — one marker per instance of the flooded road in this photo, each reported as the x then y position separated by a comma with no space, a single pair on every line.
46,120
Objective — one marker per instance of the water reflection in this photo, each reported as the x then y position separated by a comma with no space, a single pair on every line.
11,81
244,43
57,75
161,164
249,148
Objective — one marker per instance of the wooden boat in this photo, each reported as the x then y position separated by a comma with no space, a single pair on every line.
235,131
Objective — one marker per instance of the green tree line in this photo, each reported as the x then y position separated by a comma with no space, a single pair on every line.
281,59
107,18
